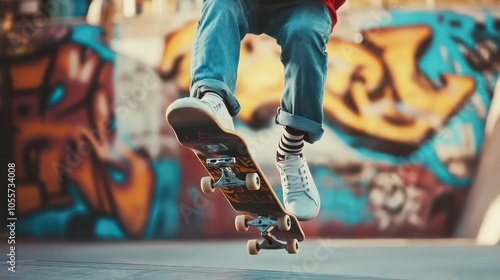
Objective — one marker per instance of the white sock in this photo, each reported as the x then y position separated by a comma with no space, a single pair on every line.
212,96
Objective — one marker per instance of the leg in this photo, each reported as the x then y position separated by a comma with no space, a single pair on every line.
302,29
216,49
216,52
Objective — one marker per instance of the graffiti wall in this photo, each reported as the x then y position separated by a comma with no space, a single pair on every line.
71,109
405,108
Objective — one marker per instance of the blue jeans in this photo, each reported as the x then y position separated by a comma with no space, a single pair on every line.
302,29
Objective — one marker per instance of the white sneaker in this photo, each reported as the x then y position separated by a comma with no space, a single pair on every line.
212,104
300,194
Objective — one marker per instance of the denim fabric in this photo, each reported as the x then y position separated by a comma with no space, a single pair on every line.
302,29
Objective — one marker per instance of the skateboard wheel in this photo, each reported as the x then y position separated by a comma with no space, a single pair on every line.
241,223
253,181
284,223
292,246
253,247
206,185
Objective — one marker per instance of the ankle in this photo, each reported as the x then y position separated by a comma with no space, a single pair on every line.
294,131
212,96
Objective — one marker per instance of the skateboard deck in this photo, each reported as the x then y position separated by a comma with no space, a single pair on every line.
225,156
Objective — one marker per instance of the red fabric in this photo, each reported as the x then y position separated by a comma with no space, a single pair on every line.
333,6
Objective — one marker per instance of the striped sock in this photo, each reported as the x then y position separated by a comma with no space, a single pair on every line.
291,143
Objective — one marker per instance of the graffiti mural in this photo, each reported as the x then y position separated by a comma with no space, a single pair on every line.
76,175
405,109
384,97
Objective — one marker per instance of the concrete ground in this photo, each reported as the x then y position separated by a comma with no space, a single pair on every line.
317,259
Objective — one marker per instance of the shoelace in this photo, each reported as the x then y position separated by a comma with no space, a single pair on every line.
294,182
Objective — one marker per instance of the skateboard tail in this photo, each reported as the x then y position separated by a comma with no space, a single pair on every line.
191,126
194,128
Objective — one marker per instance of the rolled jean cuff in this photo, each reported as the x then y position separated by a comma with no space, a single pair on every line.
233,106
313,130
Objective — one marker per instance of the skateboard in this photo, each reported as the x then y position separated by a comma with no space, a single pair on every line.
233,171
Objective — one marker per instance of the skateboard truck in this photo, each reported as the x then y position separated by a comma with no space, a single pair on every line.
228,178
265,225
